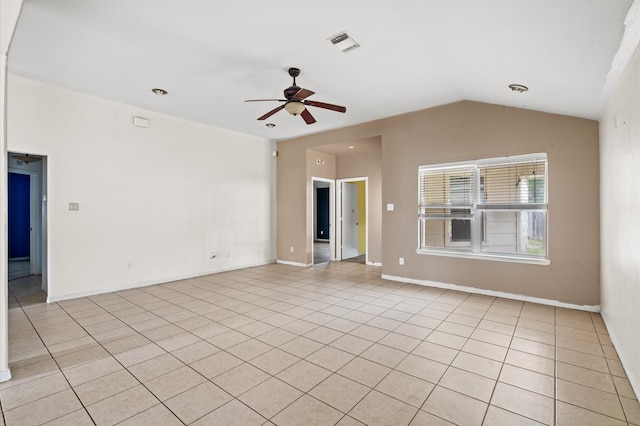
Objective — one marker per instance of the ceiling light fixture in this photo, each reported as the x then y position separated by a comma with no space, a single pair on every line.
27,158
159,92
294,108
518,88
270,125
344,42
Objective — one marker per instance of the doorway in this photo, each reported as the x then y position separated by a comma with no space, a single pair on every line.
26,217
352,234
323,233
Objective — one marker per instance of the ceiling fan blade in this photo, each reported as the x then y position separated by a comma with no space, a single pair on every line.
270,113
303,94
263,100
308,118
332,107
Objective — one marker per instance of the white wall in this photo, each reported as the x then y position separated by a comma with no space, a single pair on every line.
162,198
620,224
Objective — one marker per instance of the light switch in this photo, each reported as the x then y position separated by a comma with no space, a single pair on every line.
74,206
390,207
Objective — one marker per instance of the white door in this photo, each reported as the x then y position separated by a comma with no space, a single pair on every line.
349,220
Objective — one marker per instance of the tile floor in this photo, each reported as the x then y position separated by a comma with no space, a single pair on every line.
331,344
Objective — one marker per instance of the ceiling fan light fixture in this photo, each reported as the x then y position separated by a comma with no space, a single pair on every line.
294,108
27,158
159,92
344,42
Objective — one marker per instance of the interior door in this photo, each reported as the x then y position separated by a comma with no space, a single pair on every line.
349,220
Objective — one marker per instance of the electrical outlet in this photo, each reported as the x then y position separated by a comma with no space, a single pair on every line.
401,260
213,255
129,265
291,249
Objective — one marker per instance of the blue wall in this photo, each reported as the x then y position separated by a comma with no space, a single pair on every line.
19,195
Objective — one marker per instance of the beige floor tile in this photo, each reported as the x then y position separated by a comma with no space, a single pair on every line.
301,347
210,330
498,417
249,349
122,406
610,352
277,337
422,418
323,335
492,337
535,335
577,334
631,409
330,358
352,344
43,410
579,345
274,361
422,368
446,339
582,360
455,407
198,401
589,398
406,388
400,341
531,324
616,368
126,343
426,322
364,371
570,415
527,379
497,327
455,328
463,320
533,348
77,418
299,327
623,387
384,355
105,386
524,403
233,413
30,372
308,411
303,375
178,341
586,377
369,333
227,339
216,364
240,379
486,350
32,391
195,352
530,362
139,354
80,357
340,392
255,328
158,415
477,364
466,383
91,370
379,409
436,352
71,346
349,421
155,367
174,383
415,331
270,396
343,325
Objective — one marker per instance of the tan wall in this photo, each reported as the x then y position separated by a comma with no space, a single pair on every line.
466,131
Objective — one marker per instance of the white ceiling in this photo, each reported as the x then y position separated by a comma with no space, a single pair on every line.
212,55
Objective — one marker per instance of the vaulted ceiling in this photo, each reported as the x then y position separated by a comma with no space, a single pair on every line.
212,55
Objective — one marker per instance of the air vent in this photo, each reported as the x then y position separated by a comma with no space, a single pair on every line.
344,42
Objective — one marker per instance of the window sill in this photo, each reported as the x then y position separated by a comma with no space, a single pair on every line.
485,256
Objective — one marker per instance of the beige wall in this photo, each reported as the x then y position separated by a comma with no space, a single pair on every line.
620,186
466,131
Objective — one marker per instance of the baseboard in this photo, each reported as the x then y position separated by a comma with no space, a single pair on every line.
286,262
505,295
633,380
52,299
5,375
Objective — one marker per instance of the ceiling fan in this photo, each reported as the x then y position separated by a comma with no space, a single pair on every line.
296,102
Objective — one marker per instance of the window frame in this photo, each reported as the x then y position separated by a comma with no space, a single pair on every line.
479,209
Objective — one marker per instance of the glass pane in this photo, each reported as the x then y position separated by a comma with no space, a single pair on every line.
514,232
445,233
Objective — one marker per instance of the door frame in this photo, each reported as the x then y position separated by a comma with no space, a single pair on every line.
35,218
338,229
332,216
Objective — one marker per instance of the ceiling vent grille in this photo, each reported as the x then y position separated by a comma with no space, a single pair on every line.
344,42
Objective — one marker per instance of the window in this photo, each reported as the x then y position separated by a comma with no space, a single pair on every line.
492,207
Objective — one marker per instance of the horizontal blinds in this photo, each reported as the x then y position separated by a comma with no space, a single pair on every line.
519,185
446,187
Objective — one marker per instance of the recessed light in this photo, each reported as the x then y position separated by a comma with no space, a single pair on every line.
159,92
270,125
351,147
518,88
